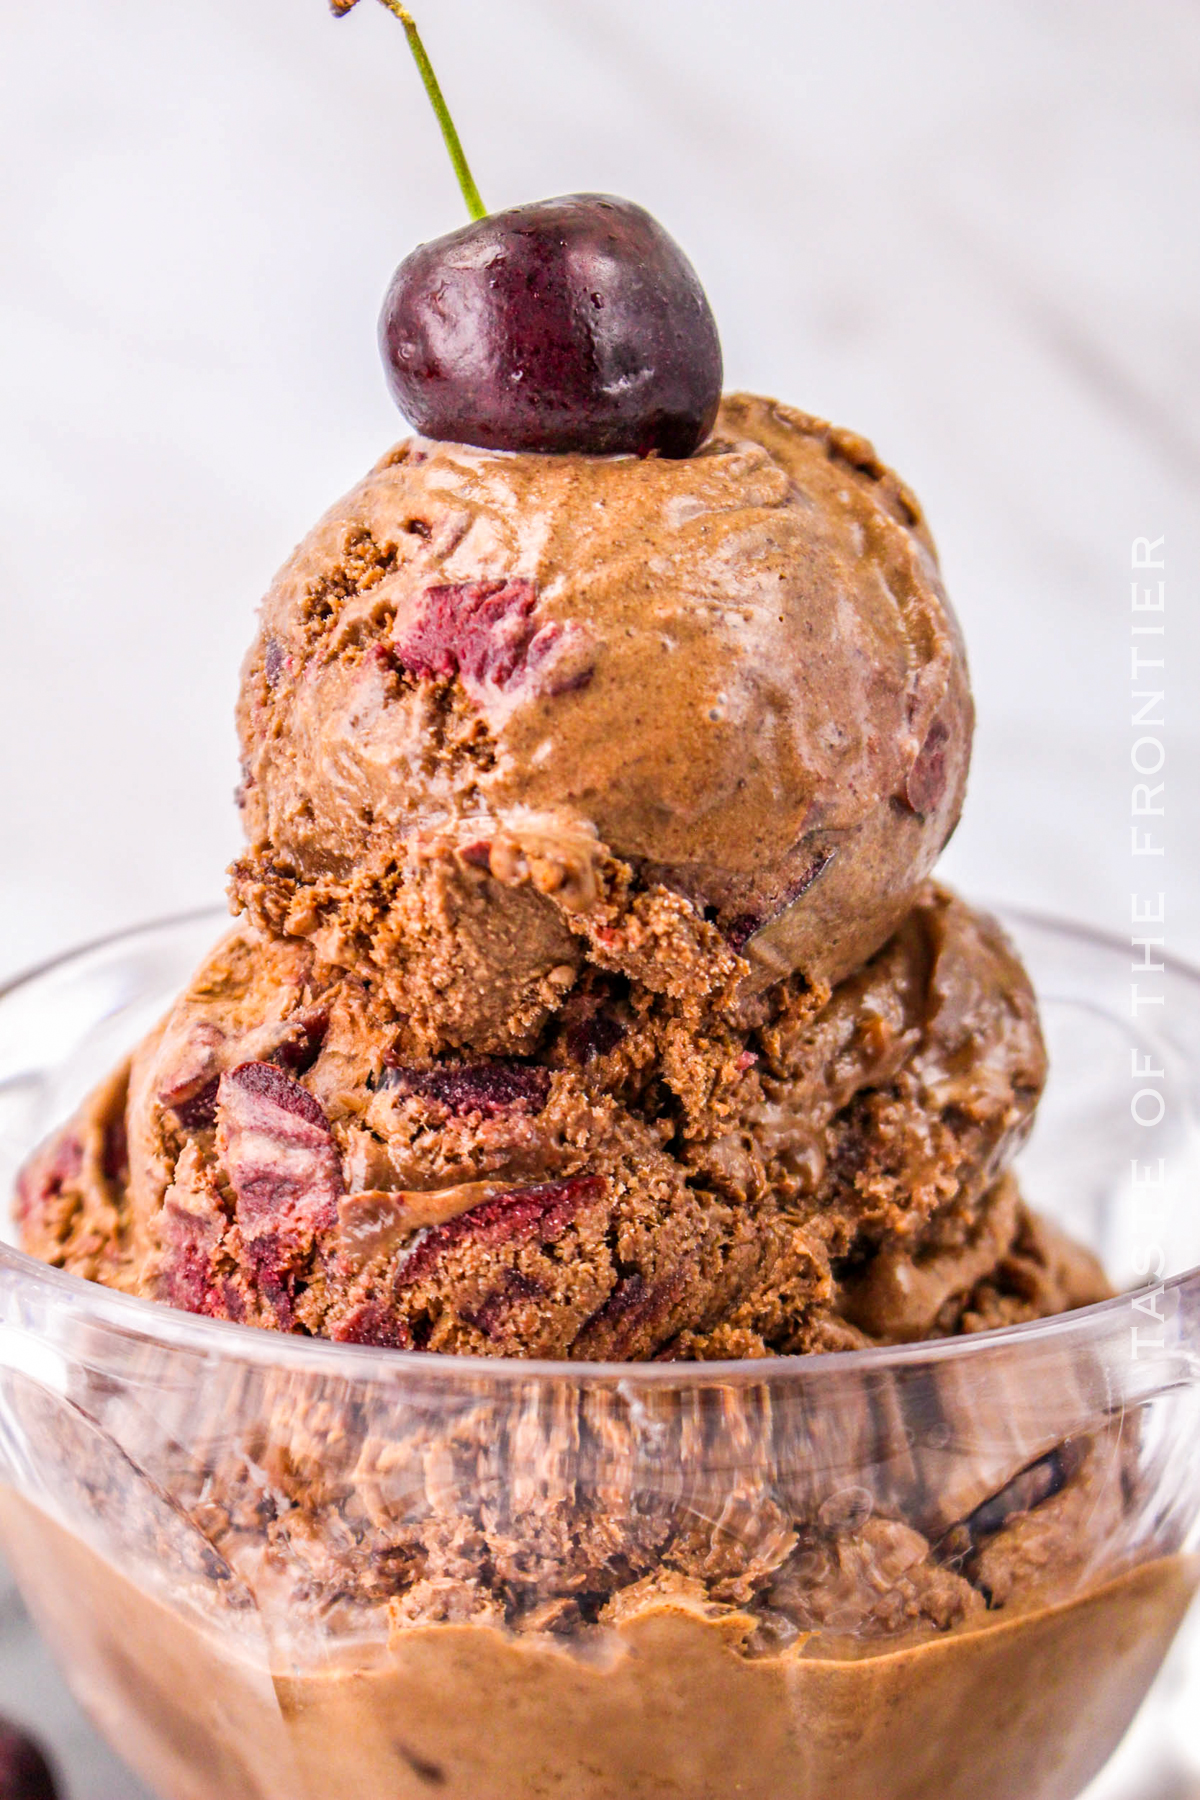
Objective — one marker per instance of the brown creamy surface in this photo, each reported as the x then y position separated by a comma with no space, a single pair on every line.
774,1176
591,1004
665,1703
734,678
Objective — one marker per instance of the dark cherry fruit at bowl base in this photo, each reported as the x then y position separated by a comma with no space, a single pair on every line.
570,324
24,1772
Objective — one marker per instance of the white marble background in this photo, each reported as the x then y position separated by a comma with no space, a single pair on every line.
968,230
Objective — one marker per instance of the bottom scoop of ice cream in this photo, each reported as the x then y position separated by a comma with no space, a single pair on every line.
781,1176
499,702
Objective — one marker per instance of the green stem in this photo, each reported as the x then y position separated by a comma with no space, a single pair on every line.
466,180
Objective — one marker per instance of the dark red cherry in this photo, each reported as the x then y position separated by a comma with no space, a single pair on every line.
570,324
24,1772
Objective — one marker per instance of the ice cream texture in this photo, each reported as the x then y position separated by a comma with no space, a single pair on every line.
507,714
590,998
591,1001
778,1175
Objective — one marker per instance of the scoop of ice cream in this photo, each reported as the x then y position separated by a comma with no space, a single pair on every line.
805,1176
503,709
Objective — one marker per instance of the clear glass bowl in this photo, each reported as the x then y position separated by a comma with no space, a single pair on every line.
270,1565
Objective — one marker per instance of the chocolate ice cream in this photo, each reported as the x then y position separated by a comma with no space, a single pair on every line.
774,1175
506,713
670,1691
591,1004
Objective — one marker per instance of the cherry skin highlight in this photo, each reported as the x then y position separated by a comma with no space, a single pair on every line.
574,324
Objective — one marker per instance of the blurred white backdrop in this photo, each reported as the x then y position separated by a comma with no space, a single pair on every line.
969,232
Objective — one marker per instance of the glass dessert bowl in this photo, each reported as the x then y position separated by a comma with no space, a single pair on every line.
274,1567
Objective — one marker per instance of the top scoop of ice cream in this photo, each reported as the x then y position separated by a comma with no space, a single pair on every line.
736,677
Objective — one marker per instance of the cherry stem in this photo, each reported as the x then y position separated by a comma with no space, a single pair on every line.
462,168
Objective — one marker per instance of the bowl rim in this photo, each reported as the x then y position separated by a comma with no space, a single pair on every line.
222,1339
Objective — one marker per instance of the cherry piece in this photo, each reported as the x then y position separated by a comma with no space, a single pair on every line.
927,778
491,1089
574,324
374,1323
301,1048
482,628
44,1176
257,1087
24,1771
633,1306
494,1313
593,1035
187,1268
486,632
539,1214
278,1151
199,1111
